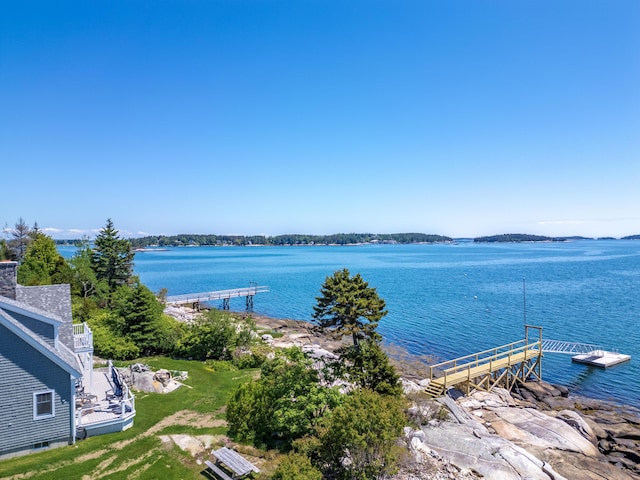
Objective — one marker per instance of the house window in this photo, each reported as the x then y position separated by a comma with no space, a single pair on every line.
43,406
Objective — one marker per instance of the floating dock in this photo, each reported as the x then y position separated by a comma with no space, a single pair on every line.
601,358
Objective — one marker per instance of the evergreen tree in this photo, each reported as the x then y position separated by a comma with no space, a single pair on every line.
42,264
141,314
85,281
112,258
369,367
20,239
348,306
5,253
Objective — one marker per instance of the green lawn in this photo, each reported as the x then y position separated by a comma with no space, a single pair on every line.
138,453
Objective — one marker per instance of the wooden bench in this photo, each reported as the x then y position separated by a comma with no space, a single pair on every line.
219,473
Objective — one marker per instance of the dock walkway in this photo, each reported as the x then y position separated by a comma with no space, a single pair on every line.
505,365
224,295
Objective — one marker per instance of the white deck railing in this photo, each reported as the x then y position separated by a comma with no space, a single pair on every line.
82,337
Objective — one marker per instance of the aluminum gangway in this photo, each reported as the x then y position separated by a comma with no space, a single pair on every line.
224,295
586,353
571,348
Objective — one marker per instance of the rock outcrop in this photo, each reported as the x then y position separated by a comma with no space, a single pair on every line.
494,435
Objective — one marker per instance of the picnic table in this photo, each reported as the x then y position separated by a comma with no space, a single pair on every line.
234,462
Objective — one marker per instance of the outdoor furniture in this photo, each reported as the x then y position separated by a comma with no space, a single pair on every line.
219,473
235,462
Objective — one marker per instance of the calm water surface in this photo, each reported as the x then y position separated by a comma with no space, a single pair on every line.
448,300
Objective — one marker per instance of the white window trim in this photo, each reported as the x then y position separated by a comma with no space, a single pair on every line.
35,404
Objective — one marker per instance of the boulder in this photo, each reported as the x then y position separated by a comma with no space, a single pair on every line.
163,376
575,420
532,428
472,448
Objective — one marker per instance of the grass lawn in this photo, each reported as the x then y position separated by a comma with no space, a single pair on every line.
138,453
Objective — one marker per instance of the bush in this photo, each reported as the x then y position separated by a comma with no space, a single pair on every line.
108,344
250,358
286,403
360,439
295,466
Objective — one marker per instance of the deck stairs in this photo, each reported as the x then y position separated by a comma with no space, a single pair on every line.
435,388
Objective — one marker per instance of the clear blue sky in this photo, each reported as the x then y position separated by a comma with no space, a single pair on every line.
460,118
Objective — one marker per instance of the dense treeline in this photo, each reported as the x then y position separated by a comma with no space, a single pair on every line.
282,240
521,237
631,237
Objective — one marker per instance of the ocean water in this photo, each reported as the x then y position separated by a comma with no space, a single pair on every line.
448,300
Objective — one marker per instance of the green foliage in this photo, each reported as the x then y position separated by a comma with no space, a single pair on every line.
5,253
295,466
368,367
84,282
360,438
112,258
141,315
214,335
211,336
42,264
348,306
107,342
253,357
286,403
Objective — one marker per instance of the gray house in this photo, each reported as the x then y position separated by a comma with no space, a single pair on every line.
49,393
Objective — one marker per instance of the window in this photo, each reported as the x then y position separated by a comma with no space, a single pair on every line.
43,406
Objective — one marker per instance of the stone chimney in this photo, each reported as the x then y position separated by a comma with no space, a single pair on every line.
8,279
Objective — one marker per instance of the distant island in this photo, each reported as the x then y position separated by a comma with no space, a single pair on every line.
285,240
525,237
522,237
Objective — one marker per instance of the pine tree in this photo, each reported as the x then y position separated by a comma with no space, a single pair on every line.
112,258
348,306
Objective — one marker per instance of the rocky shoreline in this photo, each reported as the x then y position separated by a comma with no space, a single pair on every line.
538,431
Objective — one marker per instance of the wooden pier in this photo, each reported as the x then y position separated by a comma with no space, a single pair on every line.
511,364
506,366
196,299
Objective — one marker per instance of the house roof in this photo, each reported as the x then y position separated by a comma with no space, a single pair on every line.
61,356
53,299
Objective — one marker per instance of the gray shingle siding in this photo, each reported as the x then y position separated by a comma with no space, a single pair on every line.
26,371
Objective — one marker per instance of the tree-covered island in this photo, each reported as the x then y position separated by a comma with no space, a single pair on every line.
285,240
523,237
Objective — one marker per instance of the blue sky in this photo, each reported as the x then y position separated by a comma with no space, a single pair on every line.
460,118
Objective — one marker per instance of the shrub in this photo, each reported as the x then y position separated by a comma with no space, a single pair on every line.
295,466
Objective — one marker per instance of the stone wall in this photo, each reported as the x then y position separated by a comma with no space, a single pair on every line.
8,279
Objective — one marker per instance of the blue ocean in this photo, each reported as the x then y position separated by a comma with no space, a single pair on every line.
448,300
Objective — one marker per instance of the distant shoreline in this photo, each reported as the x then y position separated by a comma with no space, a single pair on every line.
336,240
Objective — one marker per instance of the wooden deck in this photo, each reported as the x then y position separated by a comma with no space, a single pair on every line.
96,408
506,365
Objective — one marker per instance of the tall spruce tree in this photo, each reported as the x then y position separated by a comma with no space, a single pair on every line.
20,239
348,306
112,258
